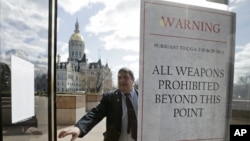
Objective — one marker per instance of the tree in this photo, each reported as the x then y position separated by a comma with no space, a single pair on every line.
100,77
242,88
5,79
136,84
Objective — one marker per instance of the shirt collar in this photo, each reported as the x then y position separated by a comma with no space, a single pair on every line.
132,92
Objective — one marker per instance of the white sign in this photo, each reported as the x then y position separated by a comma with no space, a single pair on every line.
186,65
22,89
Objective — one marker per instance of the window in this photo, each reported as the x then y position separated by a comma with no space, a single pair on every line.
26,39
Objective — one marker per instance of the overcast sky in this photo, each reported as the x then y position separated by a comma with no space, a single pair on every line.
110,29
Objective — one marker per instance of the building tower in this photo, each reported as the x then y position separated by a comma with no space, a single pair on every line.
77,74
76,45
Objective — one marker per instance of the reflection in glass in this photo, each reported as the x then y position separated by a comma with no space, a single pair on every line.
24,33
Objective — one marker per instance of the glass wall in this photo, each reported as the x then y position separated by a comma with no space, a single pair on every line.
109,31
241,89
98,34
24,70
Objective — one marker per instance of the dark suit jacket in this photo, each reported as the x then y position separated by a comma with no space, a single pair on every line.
110,107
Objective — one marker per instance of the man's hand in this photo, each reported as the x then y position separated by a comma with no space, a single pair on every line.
74,131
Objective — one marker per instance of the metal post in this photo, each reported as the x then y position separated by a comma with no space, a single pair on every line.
1,125
52,131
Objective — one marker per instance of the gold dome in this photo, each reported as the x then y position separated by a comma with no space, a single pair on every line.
76,36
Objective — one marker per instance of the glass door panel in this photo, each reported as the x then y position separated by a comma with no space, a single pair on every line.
24,70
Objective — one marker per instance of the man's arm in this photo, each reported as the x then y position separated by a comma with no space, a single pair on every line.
93,117
87,122
74,131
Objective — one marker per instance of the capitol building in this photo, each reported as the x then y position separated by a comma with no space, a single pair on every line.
77,74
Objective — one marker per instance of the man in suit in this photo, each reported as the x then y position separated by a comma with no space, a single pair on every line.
121,119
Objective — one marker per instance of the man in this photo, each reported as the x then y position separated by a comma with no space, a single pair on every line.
121,115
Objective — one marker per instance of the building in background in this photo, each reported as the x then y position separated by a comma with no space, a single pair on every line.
77,74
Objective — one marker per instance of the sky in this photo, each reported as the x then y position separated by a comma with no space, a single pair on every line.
110,29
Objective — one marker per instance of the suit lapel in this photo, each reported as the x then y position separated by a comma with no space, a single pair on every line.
118,102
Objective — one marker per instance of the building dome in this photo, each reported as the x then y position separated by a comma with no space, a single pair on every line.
76,37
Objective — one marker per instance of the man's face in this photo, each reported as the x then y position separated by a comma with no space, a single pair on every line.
125,82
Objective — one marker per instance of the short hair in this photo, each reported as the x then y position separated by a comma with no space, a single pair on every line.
127,70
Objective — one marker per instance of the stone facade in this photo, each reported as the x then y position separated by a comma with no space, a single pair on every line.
77,75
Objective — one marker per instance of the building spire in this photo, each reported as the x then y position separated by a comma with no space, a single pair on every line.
77,27
99,53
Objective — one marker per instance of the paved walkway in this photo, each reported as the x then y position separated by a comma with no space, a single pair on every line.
96,134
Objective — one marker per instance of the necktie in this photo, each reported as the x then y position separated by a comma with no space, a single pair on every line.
132,120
